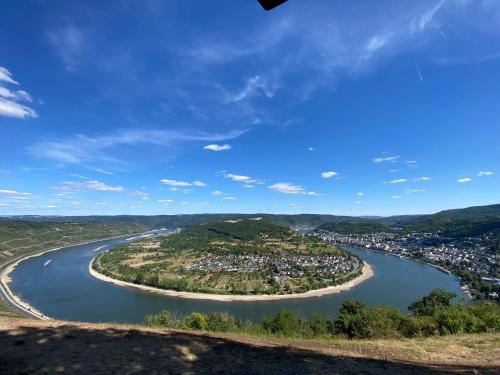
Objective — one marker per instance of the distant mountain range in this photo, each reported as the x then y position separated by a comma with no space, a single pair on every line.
471,221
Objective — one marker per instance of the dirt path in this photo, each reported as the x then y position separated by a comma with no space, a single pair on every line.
37,347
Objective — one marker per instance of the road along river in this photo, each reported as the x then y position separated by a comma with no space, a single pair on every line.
64,289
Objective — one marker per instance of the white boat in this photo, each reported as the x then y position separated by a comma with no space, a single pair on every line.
47,263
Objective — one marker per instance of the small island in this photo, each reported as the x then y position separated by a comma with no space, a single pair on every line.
248,259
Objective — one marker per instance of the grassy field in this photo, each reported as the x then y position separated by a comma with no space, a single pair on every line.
36,347
21,237
232,257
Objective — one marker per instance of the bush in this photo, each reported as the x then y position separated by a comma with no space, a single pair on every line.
419,326
286,323
164,319
489,313
221,322
195,321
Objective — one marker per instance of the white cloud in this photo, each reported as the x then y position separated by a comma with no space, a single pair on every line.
292,204
13,193
287,188
423,179
383,159
165,201
199,183
360,194
217,192
396,181
464,180
357,202
245,180
396,197
175,182
411,191
6,76
144,195
484,173
310,148
393,170
216,147
329,174
228,198
89,185
13,103
411,163
237,178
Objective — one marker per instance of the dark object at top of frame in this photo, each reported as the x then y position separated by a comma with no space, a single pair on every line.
270,4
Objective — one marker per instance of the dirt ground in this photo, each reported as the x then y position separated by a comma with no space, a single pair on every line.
52,347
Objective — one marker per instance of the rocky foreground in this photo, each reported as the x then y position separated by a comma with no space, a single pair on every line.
48,347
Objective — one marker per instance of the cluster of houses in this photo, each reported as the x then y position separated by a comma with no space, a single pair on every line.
470,254
284,268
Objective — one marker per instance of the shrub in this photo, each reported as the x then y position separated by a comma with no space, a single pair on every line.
419,326
285,322
221,322
164,319
195,321
489,313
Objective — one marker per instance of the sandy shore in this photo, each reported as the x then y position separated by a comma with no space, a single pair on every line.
365,275
5,279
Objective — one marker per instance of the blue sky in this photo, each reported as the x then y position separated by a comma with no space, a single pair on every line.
155,107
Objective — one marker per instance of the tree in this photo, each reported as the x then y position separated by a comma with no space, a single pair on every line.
428,305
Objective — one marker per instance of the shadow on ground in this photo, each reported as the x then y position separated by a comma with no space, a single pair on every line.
71,349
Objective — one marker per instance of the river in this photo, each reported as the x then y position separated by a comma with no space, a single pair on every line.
64,289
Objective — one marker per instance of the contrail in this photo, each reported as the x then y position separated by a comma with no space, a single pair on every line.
420,74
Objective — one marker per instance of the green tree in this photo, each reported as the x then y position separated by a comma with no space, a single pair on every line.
428,305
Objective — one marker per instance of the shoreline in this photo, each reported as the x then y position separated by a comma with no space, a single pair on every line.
6,269
367,273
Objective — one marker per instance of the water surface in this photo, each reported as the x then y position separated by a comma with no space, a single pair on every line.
64,289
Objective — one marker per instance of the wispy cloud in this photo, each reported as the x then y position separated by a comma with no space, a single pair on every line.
229,198
484,173
89,185
287,188
14,103
412,191
396,181
14,194
423,179
464,180
360,194
245,180
396,196
81,149
384,159
217,192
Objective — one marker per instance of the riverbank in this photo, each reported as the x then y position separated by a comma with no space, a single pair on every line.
367,272
16,302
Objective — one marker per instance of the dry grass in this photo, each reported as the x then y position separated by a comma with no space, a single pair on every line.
30,346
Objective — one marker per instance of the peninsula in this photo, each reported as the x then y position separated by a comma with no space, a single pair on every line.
233,260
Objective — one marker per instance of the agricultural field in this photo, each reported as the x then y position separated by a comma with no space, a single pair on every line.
241,257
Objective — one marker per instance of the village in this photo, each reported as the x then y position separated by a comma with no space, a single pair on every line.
467,256
283,267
